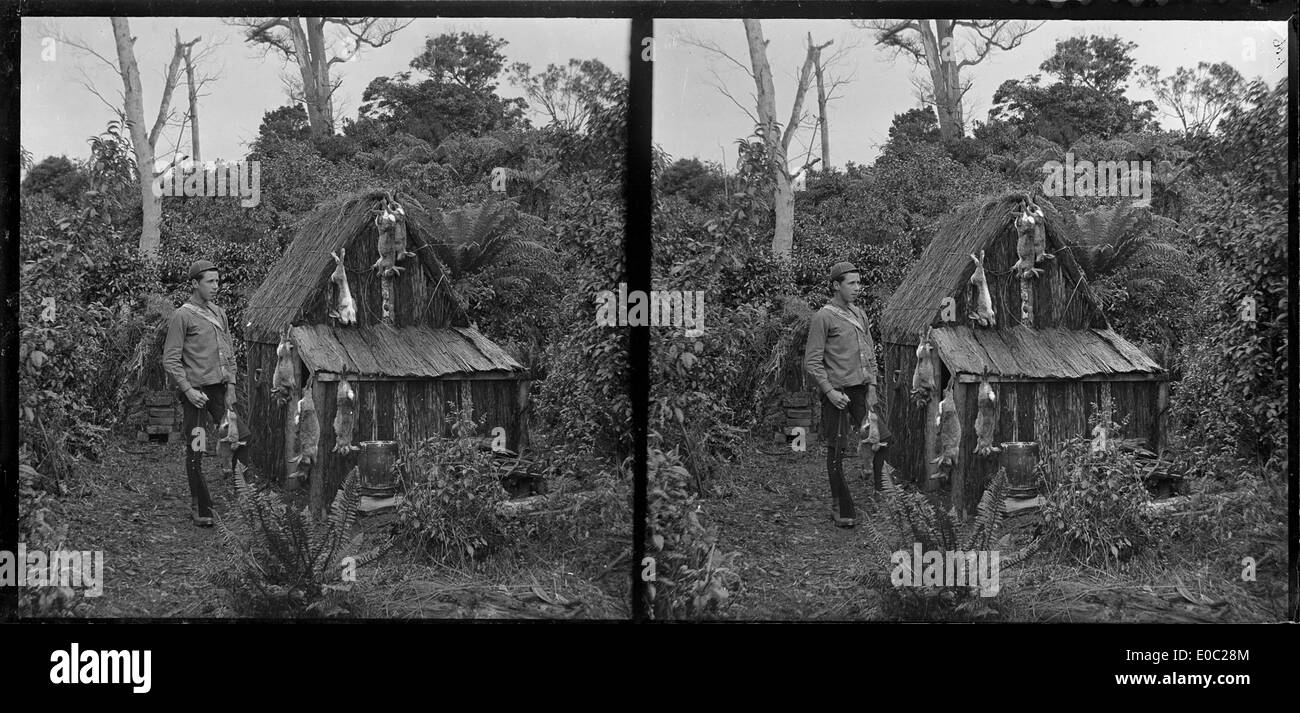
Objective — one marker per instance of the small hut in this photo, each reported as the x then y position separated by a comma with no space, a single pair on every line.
1047,364
404,364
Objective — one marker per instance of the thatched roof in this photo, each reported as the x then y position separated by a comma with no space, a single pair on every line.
1040,353
304,268
416,352
944,266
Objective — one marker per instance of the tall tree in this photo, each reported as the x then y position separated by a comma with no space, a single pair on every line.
823,122
303,40
144,141
1087,97
192,85
931,42
778,141
459,92
775,139
570,94
1196,97
130,110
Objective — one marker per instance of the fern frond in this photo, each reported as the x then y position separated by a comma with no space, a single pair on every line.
989,513
1024,554
342,518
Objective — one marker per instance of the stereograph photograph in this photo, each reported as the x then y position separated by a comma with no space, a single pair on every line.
994,321
950,320
306,318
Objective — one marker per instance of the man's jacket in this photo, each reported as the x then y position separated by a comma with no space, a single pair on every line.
199,351
839,352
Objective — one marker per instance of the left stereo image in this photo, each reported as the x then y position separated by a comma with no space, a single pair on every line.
309,319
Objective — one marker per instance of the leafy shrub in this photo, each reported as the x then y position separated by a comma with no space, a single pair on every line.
1094,506
908,518
77,297
450,509
279,563
693,579
40,529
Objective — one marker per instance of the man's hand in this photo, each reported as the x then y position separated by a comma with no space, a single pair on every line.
838,398
230,396
196,397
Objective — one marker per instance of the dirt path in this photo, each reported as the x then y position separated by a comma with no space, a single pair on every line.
795,563
136,509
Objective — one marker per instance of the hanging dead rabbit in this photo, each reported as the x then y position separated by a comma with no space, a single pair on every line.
282,386
345,417
981,302
345,308
232,437
1031,239
986,418
390,219
949,435
308,434
923,379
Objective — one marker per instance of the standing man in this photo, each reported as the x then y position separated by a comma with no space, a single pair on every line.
199,359
841,357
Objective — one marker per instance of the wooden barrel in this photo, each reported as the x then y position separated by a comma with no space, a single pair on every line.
1019,458
375,464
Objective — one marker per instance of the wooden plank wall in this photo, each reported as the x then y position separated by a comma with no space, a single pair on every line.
906,420
266,418
405,411
1046,412
409,411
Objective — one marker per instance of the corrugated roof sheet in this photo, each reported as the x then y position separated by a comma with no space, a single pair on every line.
416,352
1053,353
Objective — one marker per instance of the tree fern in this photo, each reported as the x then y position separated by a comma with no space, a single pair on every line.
1113,239
476,238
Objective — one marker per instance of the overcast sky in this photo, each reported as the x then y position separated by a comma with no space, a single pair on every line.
692,118
59,115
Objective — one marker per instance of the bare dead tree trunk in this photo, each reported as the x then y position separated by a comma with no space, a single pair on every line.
778,142
783,240
193,87
936,38
823,123
144,143
320,73
931,42
302,40
316,118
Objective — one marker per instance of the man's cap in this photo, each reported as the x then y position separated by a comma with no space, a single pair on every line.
198,267
842,267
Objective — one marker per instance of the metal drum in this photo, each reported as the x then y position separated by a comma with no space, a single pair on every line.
375,464
1019,458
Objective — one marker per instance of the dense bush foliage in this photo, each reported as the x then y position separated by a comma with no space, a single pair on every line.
693,578
1236,383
